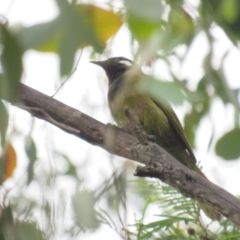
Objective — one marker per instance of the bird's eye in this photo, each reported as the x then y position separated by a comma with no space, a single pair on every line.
125,62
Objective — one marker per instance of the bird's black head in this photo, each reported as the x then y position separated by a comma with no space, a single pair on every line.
114,67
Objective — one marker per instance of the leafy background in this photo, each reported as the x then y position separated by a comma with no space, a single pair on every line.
57,187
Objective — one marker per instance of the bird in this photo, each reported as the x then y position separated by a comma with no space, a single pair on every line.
157,119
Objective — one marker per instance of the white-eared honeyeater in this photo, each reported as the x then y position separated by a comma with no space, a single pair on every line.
157,119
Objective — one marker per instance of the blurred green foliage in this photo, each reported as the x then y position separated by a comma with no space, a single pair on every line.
11,61
76,26
157,28
178,217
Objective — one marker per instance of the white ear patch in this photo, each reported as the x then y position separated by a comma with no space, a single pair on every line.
126,62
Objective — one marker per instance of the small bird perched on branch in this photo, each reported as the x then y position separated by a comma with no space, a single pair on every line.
158,121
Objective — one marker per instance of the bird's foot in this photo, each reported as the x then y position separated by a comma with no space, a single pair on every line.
141,134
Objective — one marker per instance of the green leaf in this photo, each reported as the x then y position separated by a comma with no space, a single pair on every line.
143,18
43,37
67,49
219,82
11,59
226,14
83,205
228,146
142,8
12,229
98,20
71,168
199,109
3,123
163,92
141,28
77,26
105,217
229,10
31,152
165,223
180,21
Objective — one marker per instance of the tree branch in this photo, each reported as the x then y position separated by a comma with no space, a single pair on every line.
158,163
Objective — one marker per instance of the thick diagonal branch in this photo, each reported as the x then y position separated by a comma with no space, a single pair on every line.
158,163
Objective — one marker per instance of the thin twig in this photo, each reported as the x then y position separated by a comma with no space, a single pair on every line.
74,70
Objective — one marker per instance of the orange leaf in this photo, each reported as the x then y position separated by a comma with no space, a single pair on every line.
10,161
105,23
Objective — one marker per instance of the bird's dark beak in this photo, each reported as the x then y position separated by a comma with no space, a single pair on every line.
99,63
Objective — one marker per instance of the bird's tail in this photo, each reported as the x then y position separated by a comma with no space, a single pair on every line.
215,216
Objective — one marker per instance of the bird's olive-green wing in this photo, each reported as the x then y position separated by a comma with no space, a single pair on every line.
174,121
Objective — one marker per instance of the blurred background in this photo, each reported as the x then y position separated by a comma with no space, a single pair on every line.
56,186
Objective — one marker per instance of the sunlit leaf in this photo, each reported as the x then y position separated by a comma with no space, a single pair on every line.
11,58
83,205
142,28
99,21
10,161
229,10
228,146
